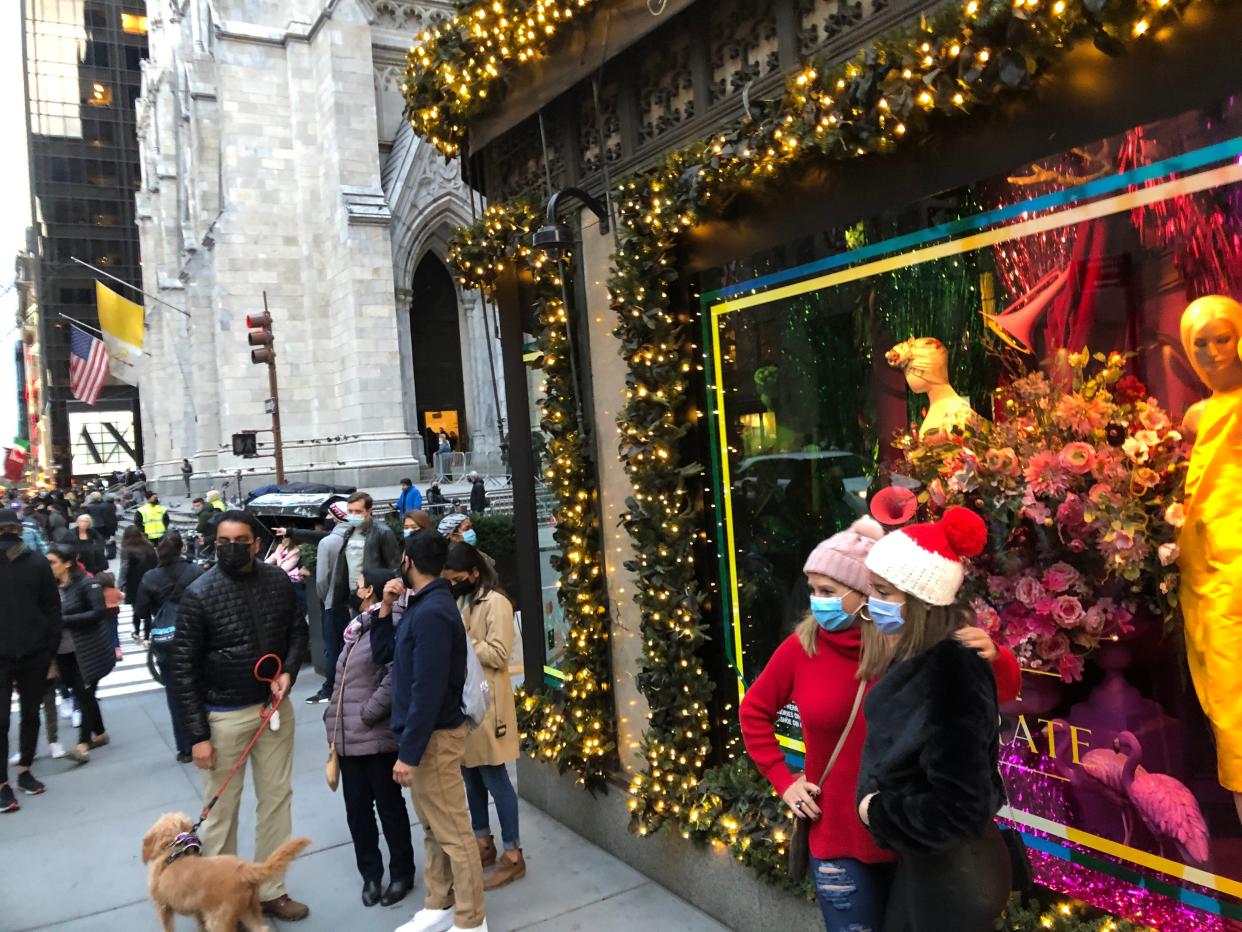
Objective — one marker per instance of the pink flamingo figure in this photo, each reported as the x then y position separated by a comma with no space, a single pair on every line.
1165,805
1106,767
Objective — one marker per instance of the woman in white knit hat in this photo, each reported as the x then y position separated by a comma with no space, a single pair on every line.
929,787
825,667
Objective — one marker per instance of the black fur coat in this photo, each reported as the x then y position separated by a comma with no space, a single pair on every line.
931,751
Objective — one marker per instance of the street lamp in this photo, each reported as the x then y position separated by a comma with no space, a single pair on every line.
554,237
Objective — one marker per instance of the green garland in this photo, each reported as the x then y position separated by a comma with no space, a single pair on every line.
960,60
457,68
1067,916
572,726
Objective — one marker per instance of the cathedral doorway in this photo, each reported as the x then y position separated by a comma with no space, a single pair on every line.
435,337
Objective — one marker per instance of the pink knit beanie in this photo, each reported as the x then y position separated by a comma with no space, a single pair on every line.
925,560
843,556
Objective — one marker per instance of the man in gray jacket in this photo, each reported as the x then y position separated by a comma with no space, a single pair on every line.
335,609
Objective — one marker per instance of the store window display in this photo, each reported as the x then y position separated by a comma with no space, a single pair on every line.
1045,306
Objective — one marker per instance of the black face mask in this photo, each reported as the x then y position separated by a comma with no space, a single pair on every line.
464,588
233,557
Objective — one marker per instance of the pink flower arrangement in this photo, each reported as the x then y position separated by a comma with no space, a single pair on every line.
1080,478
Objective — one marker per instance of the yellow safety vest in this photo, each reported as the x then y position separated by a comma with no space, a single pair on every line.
153,520
219,505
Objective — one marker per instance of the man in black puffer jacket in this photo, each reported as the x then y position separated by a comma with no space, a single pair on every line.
29,632
230,617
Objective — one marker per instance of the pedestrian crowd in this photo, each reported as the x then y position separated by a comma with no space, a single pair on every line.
400,614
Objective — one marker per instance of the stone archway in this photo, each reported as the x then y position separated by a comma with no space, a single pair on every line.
435,343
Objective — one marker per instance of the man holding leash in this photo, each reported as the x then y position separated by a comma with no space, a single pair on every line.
234,614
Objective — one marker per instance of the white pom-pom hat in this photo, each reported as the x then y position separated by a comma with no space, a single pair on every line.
925,560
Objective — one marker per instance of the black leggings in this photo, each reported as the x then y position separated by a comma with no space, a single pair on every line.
29,675
963,889
84,693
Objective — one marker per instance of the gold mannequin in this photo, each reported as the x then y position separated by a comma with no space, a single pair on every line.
1210,542
925,362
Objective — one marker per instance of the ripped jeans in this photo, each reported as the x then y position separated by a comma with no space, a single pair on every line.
851,895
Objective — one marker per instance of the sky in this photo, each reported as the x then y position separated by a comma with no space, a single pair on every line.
15,214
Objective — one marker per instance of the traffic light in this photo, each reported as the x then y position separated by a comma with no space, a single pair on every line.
260,335
246,444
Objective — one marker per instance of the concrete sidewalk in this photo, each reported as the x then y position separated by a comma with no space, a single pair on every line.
70,858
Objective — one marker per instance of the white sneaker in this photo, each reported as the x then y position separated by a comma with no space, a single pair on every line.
56,749
482,928
76,718
429,920
15,758
65,709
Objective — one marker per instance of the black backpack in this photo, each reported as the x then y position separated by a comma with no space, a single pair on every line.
164,621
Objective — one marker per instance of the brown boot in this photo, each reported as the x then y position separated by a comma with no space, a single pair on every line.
511,867
285,908
487,850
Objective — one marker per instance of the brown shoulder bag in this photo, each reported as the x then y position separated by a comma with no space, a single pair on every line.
800,835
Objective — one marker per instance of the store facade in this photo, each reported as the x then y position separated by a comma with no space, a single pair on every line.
736,357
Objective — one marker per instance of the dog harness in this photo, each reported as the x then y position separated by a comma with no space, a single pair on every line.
183,844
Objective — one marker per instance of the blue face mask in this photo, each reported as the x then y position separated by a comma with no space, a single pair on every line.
470,537
829,613
885,615
356,520
407,532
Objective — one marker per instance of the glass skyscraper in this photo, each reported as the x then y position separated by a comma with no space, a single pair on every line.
83,71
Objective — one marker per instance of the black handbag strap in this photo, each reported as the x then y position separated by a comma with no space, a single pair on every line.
845,733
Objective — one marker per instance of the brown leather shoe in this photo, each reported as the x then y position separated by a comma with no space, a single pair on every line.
511,867
487,850
98,741
284,908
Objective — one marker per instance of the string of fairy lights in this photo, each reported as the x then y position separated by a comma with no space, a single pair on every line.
455,67
955,62
572,726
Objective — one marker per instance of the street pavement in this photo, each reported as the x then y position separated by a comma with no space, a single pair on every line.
69,859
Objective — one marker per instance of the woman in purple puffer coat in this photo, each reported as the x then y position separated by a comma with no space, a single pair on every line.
367,750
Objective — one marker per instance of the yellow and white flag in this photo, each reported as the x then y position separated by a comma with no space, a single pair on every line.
121,323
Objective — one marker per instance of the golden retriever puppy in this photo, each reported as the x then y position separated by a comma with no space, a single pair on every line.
220,891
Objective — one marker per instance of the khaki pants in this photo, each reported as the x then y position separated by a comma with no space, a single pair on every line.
272,757
452,870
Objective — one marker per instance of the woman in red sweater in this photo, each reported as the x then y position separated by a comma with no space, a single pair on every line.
820,668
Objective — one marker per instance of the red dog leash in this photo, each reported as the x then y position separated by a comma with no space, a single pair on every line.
266,716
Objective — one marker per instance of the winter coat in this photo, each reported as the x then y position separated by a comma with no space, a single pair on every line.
931,751
363,691
103,514
489,623
90,551
163,584
478,498
224,625
31,621
289,560
382,552
86,619
410,499
427,645
135,565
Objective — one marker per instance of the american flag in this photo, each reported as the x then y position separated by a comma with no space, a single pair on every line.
88,365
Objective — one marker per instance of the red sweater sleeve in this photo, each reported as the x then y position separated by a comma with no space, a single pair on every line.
757,714
1007,673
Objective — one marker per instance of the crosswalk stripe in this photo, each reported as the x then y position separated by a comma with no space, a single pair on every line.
130,676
